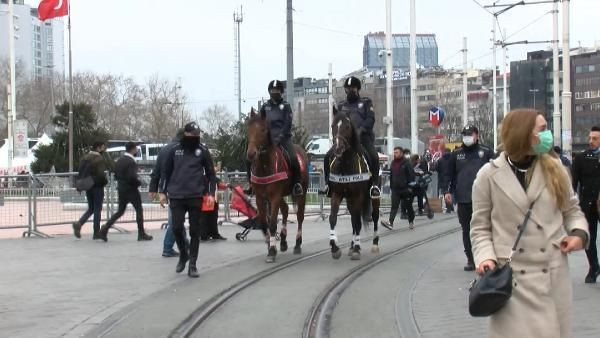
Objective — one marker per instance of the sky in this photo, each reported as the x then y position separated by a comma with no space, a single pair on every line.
192,41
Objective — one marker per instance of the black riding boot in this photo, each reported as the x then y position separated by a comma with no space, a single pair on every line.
194,245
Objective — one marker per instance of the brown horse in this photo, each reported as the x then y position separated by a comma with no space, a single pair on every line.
271,183
350,179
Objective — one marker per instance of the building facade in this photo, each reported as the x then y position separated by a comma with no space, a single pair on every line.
427,51
39,46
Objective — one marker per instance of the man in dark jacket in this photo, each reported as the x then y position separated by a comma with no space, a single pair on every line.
463,167
187,168
169,240
126,173
586,182
94,164
360,111
402,181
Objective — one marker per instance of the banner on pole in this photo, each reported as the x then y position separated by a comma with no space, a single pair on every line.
21,141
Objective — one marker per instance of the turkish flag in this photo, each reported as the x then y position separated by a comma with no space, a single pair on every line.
49,9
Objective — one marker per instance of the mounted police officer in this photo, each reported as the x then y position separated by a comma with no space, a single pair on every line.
360,111
463,166
278,114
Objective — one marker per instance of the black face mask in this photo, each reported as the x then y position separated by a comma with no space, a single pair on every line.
352,97
276,97
190,142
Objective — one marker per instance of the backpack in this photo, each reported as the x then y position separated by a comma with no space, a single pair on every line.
84,180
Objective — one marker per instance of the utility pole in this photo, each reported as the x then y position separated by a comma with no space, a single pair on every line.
494,83
414,138
465,84
389,121
70,95
504,80
566,115
290,54
330,101
555,77
238,18
12,102
534,91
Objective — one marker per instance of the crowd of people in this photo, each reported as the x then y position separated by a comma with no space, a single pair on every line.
492,193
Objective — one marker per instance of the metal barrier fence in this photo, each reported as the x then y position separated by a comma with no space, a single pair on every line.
30,202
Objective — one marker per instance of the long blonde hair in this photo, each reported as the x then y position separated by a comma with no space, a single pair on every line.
516,142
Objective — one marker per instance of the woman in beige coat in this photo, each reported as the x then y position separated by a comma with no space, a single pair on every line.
540,305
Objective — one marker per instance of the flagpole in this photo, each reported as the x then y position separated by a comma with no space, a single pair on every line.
70,94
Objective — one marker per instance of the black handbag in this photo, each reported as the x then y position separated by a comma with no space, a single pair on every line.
491,292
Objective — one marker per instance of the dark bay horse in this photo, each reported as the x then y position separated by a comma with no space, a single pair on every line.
350,179
271,183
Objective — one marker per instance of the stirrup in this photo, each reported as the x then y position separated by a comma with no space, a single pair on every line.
297,189
375,192
324,191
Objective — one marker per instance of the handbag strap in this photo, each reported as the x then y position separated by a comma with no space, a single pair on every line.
521,230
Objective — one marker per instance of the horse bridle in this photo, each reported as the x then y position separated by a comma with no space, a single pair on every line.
346,142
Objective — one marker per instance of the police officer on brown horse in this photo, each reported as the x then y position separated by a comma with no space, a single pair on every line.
360,111
278,114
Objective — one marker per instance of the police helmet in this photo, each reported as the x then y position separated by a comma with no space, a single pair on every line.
276,84
352,81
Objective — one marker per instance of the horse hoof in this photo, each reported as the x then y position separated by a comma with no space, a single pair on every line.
375,249
336,254
283,246
355,256
297,250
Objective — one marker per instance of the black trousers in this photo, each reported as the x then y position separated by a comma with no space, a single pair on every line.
421,194
126,197
193,208
465,212
209,221
402,198
591,215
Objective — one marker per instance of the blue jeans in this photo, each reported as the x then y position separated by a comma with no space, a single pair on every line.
95,198
169,240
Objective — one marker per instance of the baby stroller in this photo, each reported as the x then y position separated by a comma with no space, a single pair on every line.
422,183
242,203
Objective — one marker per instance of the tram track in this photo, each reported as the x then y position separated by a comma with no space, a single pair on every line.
319,312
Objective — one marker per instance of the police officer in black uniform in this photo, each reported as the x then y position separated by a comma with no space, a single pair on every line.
586,182
278,113
187,167
463,165
360,111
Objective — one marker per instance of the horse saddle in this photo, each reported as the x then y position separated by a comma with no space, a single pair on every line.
361,172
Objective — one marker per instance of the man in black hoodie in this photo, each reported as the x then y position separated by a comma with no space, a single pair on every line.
126,173
402,181
187,169
462,168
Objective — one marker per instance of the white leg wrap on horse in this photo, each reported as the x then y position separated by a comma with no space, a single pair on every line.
273,241
357,240
333,235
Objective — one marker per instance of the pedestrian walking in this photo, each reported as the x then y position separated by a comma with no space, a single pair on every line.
402,181
169,239
463,166
128,183
525,177
421,168
92,167
586,183
183,179
210,218
441,167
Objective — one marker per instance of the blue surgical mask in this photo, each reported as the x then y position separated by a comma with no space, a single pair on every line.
546,142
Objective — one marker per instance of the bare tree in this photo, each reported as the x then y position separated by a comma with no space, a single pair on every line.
217,117
165,105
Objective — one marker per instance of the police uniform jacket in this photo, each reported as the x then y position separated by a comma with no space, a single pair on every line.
541,300
586,177
362,116
156,171
279,118
185,172
462,168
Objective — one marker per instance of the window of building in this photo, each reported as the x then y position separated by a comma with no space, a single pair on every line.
578,69
591,68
